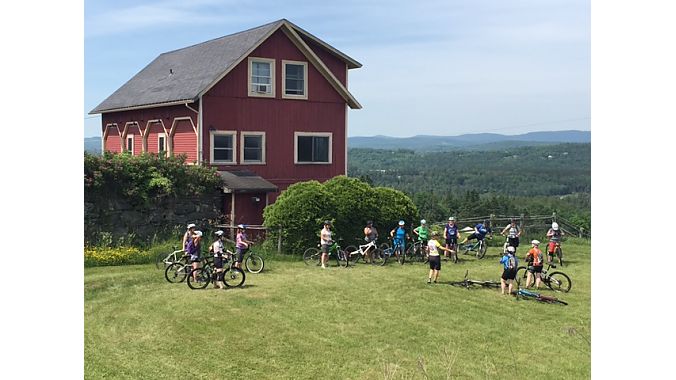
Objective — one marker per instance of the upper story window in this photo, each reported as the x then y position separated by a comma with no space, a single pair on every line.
223,147
130,144
313,147
261,77
253,148
161,144
294,81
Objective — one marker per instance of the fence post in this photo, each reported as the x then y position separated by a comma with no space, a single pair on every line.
581,231
553,217
492,219
279,240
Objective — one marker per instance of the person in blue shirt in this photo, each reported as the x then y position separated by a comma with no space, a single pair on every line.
509,263
399,235
451,234
480,232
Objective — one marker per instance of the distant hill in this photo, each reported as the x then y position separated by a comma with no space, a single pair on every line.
92,145
479,141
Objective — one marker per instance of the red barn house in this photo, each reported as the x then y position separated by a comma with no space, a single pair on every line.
266,106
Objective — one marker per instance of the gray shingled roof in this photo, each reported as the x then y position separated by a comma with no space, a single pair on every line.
245,181
181,75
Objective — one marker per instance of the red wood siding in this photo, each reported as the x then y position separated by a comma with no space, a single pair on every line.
247,211
138,139
185,140
227,106
112,143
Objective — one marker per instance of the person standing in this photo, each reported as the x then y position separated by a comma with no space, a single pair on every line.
513,232
534,260
510,264
194,247
217,248
325,241
242,244
554,234
370,234
187,235
451,235
423,234
433,247
399,236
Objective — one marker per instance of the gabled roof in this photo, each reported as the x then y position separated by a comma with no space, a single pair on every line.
241,181
182,75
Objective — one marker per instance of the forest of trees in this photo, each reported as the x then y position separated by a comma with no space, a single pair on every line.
534,180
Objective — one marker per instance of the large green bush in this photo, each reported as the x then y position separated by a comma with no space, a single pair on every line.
347,202
141,178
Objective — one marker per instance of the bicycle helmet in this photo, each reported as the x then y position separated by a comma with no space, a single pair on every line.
423,221
198,233
327,222
401,222
511,249
191,225
241,226
451,219
218,233
535,242
555,226
370,222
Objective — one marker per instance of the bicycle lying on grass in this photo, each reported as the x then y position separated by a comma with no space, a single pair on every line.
312,256
368,251
232,276
557,281
527,294
467,283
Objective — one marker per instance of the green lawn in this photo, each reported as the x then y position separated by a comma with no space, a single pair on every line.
299,322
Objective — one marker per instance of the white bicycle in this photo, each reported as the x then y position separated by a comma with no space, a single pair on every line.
369,253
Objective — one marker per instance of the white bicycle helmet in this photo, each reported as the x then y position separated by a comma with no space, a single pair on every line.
218,233
423,221
451,219
401,223
535,242
511,249
555,226
191,225
198,233
241,226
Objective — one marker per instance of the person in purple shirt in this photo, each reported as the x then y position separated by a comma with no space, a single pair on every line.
242,244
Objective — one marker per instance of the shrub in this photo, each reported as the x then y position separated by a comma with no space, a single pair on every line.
103,256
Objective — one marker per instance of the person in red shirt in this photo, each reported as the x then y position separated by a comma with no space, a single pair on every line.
534,260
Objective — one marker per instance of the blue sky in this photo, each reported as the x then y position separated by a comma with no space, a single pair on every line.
429,67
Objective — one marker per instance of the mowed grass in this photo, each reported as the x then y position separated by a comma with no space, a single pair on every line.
298,322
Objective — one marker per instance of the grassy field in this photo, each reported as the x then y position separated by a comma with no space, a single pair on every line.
299,322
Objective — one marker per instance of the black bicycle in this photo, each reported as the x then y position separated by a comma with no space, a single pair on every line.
417,251
232,276
557,281
467,283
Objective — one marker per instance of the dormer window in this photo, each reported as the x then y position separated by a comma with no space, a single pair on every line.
294,80
261,77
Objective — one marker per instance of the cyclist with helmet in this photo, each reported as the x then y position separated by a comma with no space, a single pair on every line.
325,242
510,264
554,234
434,258
193,248
535,264
451,234
242,244
480,231
370,234
217,248
187,235
513,232
399,235
423,234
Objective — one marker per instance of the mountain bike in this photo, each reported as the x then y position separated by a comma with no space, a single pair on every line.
254,263
557,281
479,247
312,256
417,251
397,251
535,296
178,271
163,259
467,283
369,250
557,252
232,276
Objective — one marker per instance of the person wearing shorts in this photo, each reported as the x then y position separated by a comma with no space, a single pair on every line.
194,246
325,242
554,234
433,247
217,248
534,260
513,232
451,235
242,244
510,264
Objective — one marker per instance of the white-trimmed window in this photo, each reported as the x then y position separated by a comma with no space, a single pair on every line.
294,80
313,147
223,147
253,148
161,144
261,77
130,144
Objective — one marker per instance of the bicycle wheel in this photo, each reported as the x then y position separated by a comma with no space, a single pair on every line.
481,251
233,277
559,254
352,254
559,282
199,278
521,275
459,284
176,272
377,256
254,263
312,256
341,257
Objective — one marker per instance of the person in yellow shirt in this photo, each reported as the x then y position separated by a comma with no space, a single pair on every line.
433,247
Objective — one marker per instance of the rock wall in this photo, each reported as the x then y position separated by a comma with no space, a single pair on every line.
118,218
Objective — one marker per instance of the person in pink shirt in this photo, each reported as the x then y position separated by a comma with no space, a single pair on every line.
242,244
